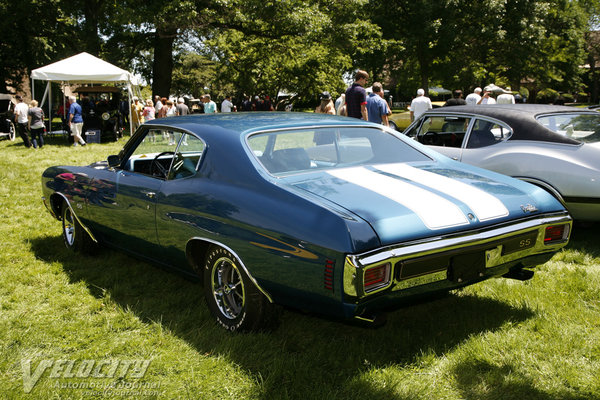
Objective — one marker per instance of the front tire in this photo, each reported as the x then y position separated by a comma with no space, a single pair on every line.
74,236
12,132
232,297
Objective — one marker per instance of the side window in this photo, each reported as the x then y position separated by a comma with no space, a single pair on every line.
187,157
445,131
154,153
486,133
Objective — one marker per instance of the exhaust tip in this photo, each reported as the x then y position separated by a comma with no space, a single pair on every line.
519,274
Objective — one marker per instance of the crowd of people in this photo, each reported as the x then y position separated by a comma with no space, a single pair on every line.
29,123
356,102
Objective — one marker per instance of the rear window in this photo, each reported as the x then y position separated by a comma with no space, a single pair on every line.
579,126
293,151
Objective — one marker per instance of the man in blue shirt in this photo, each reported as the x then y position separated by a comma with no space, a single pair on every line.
377,107
75,121
356,97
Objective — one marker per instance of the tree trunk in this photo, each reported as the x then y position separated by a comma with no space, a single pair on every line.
593,76
162,68
91,35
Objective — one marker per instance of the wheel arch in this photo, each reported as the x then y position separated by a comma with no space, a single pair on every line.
544,185
196,251
57,199
56,202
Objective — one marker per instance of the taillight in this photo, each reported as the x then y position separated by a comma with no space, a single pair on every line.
556,233
377,277
329,266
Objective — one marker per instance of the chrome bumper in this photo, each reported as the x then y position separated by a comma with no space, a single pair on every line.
491,245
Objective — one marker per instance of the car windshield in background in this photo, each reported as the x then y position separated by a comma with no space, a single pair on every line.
292,151
582,127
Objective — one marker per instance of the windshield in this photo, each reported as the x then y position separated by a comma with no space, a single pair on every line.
287,152
584,127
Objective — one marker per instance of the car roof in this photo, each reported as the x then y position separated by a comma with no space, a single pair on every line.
522,118
247,122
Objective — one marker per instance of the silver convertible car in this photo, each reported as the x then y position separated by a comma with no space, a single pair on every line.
554,147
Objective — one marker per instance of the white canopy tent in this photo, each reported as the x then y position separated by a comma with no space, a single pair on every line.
83,68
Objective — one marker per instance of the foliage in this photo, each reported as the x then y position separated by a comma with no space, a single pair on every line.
302,47
499,339
32,32
463,44
546,96
308,46
192,74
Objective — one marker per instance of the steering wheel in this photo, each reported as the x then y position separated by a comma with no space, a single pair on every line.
155,165
430,138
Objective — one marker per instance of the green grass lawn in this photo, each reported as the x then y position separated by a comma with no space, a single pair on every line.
500,339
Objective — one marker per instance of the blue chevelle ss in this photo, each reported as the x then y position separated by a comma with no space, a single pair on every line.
327,214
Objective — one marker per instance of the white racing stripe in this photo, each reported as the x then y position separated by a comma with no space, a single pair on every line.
484,205
435,211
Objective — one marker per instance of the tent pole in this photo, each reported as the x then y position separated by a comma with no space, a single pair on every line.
45,95
49,106
130,112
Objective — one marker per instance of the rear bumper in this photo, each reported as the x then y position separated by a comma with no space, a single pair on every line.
444,263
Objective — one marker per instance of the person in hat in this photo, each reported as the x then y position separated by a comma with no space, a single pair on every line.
326,106
506,97
136,112
487,97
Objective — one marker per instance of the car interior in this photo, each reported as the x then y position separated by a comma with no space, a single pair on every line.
301,150
166,155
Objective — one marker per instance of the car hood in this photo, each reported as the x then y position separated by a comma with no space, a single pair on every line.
405,202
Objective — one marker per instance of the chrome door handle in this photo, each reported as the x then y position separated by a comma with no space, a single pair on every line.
149,194
455,158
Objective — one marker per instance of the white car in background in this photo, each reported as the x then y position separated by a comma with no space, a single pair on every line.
554,147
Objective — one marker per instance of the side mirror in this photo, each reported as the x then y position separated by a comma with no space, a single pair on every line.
114,161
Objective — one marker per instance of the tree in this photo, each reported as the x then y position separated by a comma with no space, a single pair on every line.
462,43
26,45
304,47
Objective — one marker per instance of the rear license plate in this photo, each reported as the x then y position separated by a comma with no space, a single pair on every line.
519,243
467,267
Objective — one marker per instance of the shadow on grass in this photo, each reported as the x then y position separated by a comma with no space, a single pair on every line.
585,238
306,356
481,380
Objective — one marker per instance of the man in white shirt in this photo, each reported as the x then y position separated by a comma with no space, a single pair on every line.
22,120
419,105
473,98
226,105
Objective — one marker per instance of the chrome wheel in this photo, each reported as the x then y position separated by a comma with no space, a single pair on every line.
68,227
12,132
228,288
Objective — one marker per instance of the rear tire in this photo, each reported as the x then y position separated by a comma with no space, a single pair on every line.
74,236
232,297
